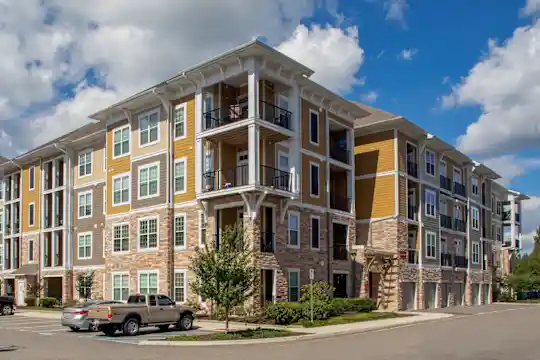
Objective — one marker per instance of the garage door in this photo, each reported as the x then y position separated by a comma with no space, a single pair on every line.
408,290
445,291
430,290
486,294
458,289
475,288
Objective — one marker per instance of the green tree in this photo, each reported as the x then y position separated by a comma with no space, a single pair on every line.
526,270
84,284
225,273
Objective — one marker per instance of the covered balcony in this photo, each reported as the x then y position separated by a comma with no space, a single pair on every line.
340,142
446,221
340,194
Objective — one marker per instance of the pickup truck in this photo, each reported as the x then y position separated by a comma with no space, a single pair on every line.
140,311
7,305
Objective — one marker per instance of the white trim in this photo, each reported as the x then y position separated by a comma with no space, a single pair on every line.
89,267
374,175
473,244
120,128
137,211
180,247
289,272
279,154
120,176
148,156
33,218
228,205
475,178
311,217
426,245
185,204
148,167
115,225
186,285
311,111
90,183
318,166
148,249
84,193
202,223
396,180
147,272
177,161
85,151
435,205
289,245
434,162
79,235
121,274
176,107
472,217
32,176
148,113
312,154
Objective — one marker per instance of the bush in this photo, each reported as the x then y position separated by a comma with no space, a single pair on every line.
321,310
47,302
284,313
360,305
338,306
321,292
30,301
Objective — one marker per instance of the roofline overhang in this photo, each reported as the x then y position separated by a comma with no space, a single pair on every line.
483,170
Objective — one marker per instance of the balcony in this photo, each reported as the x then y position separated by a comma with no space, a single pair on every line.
446,259
460,225
446,221
275,178
507,215
484,232
507,243
518,218
412,212
225,179
412,168
446,183
518,245
461,261
340,252
412,256
267,242
340,153
342,203
459,189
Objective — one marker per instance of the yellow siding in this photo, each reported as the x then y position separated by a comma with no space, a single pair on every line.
115,167
306,194
374,153
402,196
186,148
321,149
30,196
375,197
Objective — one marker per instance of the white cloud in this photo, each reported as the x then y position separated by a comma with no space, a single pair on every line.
445,80
396,9
530,219
531,7
407,54
506,85
380,54
510,166
369,97
334,54
527,241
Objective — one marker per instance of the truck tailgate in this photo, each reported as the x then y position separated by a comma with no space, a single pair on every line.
99,312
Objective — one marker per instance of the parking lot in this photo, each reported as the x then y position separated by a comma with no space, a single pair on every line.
51,327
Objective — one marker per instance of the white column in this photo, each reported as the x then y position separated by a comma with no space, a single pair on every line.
350,190
294,155
512,220
253,157
253,91
199,143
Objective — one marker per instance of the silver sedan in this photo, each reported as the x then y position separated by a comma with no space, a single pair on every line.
76,317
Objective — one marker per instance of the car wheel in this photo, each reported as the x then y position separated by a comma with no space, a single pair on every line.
7,310
185,322
74,329
163,327
131,327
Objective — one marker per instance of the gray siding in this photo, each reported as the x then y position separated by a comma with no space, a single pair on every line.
431,224
137,203
434,180
94,224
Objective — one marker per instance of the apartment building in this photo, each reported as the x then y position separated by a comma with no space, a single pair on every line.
429,218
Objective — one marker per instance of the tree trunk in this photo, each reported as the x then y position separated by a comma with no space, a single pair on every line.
227,319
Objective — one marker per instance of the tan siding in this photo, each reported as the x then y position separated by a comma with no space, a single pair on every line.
321,149
136,149
375,197
186,148
374,153
306,196
98,149
114,167
30,196
402,196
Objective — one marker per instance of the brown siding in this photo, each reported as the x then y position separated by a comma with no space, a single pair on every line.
161,198
29,196
115,167
321,149
186,148
306,195
374,153
94,224
375,197
163,129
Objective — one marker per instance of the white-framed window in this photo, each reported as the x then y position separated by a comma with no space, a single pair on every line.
499,207
148,282
442,168
430,162
85,163
120,238
180,285
314,127
121,139
32,178
431,203
30,251
475,217
121,189
31,213
457,176
293,224
180,231
475,252
149,128
120,286
180,178
457,212
202,229
283,161
431,245
315,234
474,185
499,234
314,179
149,180
85,246
180,112
148,233
85,204
294,284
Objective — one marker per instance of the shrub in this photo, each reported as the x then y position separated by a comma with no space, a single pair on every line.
360,305
338,306
30,301
47,302
284,313
321,292
321,310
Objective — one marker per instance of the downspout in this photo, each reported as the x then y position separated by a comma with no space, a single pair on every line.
20,211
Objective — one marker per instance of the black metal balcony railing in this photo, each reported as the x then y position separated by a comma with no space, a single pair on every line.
446,183
446,259
275,178
518,244
446,221
412,212
506,215
460,225
340,153
225,179
461,261
459,189
267,242
275,115
517,218
412,256
507,243
412,168
340,252
342,203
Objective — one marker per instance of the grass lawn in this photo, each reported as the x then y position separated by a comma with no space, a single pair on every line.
236,335
352,318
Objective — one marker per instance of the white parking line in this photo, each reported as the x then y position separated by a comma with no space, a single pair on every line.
38,326
50,331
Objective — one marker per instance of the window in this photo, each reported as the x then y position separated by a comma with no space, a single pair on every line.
85,163
148,128
431,246
493,203
315,232
148,234
474,182
32,177
85,246
442,168
202,229
431,203
314,180
499,207
457,176
180,176
294,285
120,287
180,284
180,121
283,161
475,215
2,257
498,233
121,238
314,127
475,252
492,231
121,141
31,214
148,282
180,231
148,181
30,251
1,225
430,162
457,212
294,229
121,188
1,189
85,204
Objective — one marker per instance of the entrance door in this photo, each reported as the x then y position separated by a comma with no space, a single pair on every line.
486,294
242,170
408,289
430,290
340,285
21,293
267,277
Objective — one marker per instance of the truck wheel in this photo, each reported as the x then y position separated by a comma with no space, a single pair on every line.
185,322
6,310
131,327
108,330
